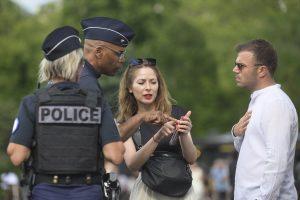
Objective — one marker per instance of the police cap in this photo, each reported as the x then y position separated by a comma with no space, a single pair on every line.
60,42
108,30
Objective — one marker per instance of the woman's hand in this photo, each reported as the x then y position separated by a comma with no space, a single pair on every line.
188,148
166,130
184,125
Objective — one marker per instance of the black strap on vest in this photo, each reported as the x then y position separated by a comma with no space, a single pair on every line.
44,96
91,99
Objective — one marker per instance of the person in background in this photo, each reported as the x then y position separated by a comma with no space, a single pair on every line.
198,182
10,186
220,179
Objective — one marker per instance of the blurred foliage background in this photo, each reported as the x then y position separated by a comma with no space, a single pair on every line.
193,41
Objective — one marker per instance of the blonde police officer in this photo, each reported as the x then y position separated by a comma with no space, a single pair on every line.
65,123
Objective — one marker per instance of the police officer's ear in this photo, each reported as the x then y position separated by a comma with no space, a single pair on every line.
99,52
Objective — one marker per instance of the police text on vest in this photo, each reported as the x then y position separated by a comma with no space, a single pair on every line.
69,114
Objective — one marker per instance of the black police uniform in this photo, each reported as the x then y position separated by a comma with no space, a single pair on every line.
24,134
64,121
113,31
88,80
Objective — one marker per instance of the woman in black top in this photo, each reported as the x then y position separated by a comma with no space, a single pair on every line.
145,108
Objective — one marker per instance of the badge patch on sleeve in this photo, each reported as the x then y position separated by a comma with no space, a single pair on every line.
15,126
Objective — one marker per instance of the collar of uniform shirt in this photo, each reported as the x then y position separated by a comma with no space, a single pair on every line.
91,69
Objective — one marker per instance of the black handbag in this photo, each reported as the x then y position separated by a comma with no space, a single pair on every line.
167,173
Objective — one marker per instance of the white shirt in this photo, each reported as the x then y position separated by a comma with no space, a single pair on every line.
267,149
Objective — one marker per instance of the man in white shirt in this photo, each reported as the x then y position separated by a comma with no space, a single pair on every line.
266,135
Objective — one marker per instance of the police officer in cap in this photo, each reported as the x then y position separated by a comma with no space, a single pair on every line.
105,40
59,127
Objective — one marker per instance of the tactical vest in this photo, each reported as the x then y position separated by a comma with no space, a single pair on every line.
67,131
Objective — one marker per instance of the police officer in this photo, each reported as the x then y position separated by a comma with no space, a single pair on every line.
105,40
60,127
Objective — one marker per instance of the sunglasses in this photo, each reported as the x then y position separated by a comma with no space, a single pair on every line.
142,61
241,66
119,54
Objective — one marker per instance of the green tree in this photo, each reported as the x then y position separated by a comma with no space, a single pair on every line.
179,46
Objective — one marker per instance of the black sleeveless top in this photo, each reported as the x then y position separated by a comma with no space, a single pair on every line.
147,131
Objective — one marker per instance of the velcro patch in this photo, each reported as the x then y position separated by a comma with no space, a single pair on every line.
69,114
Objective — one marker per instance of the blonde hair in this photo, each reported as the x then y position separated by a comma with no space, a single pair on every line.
65,67
127,102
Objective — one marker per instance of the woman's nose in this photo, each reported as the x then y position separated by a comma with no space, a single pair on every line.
148,87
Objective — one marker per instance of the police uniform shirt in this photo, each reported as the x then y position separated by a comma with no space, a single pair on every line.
23,129
89,81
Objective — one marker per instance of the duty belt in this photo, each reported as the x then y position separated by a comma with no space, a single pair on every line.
59,179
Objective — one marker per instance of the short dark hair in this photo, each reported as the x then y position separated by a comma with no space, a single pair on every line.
263,52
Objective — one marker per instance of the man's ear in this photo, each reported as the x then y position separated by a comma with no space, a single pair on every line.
99,52
263,71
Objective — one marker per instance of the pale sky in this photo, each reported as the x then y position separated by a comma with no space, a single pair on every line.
32,6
